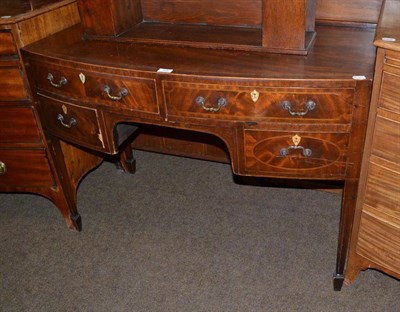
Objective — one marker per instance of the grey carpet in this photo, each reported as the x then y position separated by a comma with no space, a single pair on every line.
179,235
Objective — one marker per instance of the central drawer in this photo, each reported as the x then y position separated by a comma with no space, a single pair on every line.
235,102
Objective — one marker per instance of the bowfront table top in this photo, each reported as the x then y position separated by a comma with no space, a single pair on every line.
338,53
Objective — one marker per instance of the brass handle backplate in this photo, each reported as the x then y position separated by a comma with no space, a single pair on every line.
305,151
202,102
72,121
3,168
296,139
310,105
123,92
63,81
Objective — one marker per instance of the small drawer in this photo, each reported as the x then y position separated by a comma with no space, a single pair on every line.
7,45
258,103
72,123
12,84
18,125
122,92
118,91
386,139
24,167
57,79
295,154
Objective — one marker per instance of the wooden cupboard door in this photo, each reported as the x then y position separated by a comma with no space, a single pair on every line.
12,85
24,168
18,125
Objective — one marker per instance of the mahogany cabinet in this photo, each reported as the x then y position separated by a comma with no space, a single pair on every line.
25,159
376,232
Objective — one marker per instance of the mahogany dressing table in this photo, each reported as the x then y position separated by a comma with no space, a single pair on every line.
288,102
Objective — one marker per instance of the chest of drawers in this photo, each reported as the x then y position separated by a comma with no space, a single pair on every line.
25,160
376,233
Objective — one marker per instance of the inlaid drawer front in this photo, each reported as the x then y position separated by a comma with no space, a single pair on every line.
24,167
12,84
72,123
307,154
390,91
129,93
7,45
18,125
386,139
57,79
244,102
119,91
379,240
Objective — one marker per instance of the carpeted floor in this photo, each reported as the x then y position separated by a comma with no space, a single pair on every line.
180,235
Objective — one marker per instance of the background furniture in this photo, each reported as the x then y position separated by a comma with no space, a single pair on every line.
376,231
25,163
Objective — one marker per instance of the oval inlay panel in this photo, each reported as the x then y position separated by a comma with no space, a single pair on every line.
324,153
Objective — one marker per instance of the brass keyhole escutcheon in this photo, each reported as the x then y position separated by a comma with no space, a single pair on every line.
3,168
296,139
255,95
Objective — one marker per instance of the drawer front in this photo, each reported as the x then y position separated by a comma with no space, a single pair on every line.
247,102
129,93
379,240
18,125
383,190
386,139
390,91
7,46
61,80
72,123
295,154
118,91
12,84
24,167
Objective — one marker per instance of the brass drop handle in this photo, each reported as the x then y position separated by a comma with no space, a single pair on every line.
63,81
310,105
3,168
72,121
202,102
123,92
305,151
296,139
